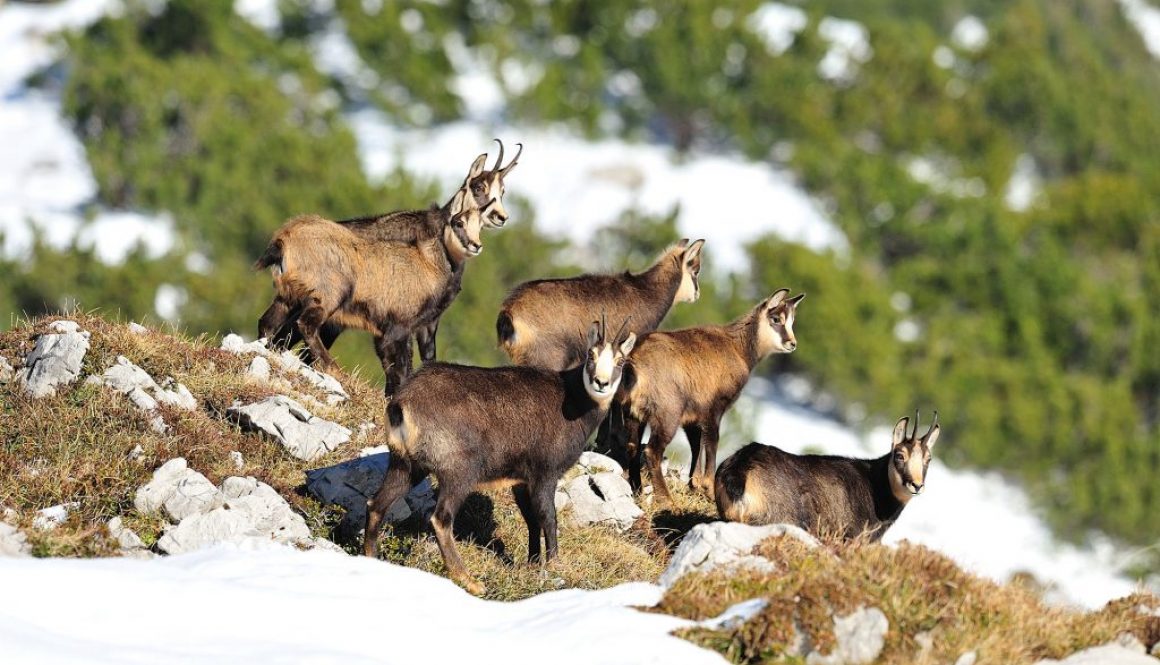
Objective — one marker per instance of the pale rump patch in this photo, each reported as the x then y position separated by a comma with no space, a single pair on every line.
752,504
499,484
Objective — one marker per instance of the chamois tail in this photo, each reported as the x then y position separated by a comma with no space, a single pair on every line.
505,330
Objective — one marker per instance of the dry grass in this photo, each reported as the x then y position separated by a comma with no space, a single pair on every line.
918,590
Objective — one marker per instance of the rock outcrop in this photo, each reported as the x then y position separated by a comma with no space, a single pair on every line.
302,435
13,542
604,497
716,544
56,359
352,483
260,367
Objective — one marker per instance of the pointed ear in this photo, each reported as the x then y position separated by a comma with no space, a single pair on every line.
683,243
900,432
931,437
593,334
477,166
776,299
694,250
627,344
793,302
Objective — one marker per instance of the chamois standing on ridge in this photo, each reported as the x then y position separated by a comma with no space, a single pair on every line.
475,427
484,190
540,323
826,494
325,271
689,378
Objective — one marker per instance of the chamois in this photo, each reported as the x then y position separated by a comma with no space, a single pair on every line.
475,427
484,190
688,378
540,322
327,271
826,494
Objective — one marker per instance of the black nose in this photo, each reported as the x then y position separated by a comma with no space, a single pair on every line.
791,345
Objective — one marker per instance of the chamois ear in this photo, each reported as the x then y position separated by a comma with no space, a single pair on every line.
683,243
694,250
477,166
593,334
627,344
793,302
931,435
900,432
776,299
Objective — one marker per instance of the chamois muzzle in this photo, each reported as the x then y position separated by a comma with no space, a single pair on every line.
914,488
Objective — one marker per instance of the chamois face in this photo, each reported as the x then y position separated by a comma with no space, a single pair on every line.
486,188
775,325
690,259
910,457
604,362
465,227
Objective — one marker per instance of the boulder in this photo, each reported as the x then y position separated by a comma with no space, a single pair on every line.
604,497
592,462
181,491
236,345
6,371
13,542
125,537
1108,654
56,359
335,393
136,384
49,518
860,637
708,546
352,483
304,436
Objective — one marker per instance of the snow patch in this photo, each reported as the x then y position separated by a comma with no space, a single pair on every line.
1146,19
777,25
263,14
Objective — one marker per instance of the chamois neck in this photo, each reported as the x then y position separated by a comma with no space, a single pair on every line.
890,497
454,251
747,335
658,285
578,405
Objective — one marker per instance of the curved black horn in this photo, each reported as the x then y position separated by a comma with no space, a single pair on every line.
499,160
514,159
915,433
622,327
603,325
933,424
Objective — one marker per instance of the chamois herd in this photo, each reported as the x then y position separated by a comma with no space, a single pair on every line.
587,358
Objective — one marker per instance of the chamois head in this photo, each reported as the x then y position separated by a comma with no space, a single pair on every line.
910,455
775,323
690,258
604,360
486,187
462,234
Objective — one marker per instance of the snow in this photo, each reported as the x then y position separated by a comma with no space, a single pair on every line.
970,34
777,25
849,47
262,13
45,179
1146,19
979,519
1025,184
278,605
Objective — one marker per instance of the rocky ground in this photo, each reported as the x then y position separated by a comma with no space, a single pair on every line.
119,440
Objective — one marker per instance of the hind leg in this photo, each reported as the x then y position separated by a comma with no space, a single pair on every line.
531,517
693,433
451,497
712,434
396,484
544,503
632,434
658,439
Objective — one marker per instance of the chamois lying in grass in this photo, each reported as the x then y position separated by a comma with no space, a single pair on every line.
688,378
482,189
540,322
826,494
476,427
325,271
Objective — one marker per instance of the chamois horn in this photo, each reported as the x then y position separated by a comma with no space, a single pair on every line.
514,159
499,160
933,424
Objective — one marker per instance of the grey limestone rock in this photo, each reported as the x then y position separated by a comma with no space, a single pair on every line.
303,435
716,544
604,497
13,542
56,359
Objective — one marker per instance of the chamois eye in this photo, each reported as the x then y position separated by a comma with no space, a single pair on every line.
899,456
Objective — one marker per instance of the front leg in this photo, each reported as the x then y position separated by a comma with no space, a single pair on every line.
395,357
704,480
425,337
531,517
544,503
632,434
661,433
693,433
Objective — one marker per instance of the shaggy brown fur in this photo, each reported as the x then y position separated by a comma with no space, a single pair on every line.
325,271
483,189
541,323
688,378
474,427
825,494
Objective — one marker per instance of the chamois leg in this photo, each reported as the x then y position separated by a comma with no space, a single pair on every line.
693,433
658,439
277,324
527,509
328,333
712,431
395,486
309,322
451,497
632,433
395,356
425,338
544,500
610,436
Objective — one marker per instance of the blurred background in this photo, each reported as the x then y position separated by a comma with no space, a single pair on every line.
968,190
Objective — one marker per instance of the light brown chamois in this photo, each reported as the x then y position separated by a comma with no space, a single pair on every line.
482,189
688,378
826,494
325,271
477,427
540,323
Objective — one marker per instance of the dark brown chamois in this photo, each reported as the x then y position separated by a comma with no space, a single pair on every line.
324,271
484,189
540,323
476,427
688,378
825,494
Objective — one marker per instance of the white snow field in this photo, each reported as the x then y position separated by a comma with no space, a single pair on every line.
278,605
